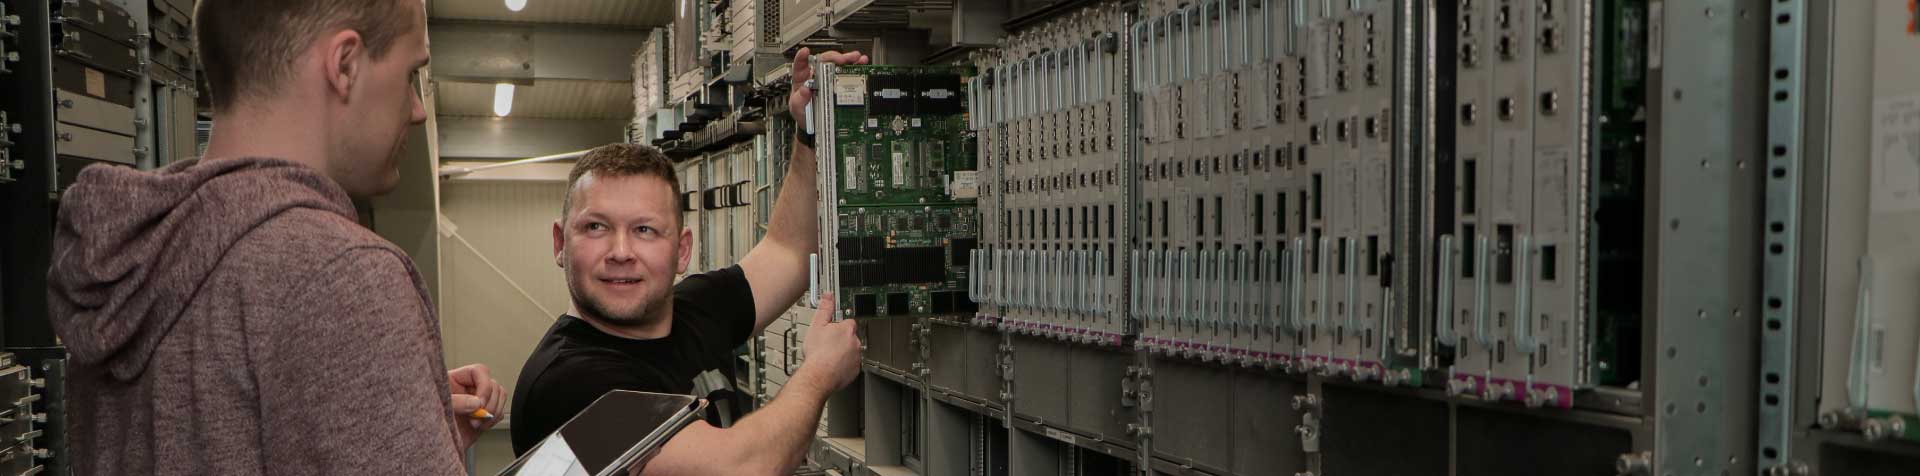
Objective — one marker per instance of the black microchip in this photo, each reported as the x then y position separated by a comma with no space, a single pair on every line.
849,249
914,265
899,304
940,94
853,275
890,95
865,305
941,302
862,248
963,247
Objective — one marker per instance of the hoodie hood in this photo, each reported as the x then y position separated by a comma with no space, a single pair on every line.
132,249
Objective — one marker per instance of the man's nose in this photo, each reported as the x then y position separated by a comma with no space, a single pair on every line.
623,250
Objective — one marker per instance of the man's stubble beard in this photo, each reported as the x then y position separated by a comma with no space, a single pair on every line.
597,310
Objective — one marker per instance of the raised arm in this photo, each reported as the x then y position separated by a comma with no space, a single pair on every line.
776,268
772,440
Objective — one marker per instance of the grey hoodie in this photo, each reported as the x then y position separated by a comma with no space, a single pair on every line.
231,317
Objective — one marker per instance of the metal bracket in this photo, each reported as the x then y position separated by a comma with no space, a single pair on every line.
1143,431
1129,387
1523,339
1443,312
1005,358
1779,272
1480,296
1634,464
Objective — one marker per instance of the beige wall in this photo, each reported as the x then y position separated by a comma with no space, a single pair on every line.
508,224
484,318
406,216
492,453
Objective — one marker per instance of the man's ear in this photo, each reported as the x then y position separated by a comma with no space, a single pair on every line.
343,54
559,245
686,249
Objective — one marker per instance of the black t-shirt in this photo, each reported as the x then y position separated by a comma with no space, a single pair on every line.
575,363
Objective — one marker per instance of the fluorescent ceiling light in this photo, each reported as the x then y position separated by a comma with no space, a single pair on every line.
502,99
516,5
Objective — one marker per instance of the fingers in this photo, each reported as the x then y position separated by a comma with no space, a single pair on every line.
496,406
802,69
500,398
496,398
824,316
843,58
799,98
464,404
465,375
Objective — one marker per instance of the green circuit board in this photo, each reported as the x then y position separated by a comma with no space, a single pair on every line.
907,182
1619,189
902,136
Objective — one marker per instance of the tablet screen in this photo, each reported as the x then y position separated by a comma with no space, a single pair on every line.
601,434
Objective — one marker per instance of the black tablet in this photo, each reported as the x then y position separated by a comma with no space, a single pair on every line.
620,430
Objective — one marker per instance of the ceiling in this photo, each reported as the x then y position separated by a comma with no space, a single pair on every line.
639,14
546,99
550,98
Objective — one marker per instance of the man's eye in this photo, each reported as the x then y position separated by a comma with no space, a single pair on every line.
645,230
596,227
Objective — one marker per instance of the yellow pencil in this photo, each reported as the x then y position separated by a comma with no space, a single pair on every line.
481,414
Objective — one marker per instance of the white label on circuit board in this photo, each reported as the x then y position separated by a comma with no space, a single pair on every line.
966,184
1896,154
854,174
849,90
899,168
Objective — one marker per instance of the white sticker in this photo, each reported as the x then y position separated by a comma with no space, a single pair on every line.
1064,437
890,93
849,90
1550,190
941,93
966,184
853,171
1896,154
899,169
916,122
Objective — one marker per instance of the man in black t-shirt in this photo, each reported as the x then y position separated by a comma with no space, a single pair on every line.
620,241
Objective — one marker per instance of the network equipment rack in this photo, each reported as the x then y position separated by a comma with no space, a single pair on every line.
1276,236
107,83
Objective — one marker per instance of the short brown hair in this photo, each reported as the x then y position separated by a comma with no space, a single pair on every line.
248,47
623,160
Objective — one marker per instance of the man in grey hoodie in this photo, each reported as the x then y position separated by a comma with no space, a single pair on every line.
228,315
